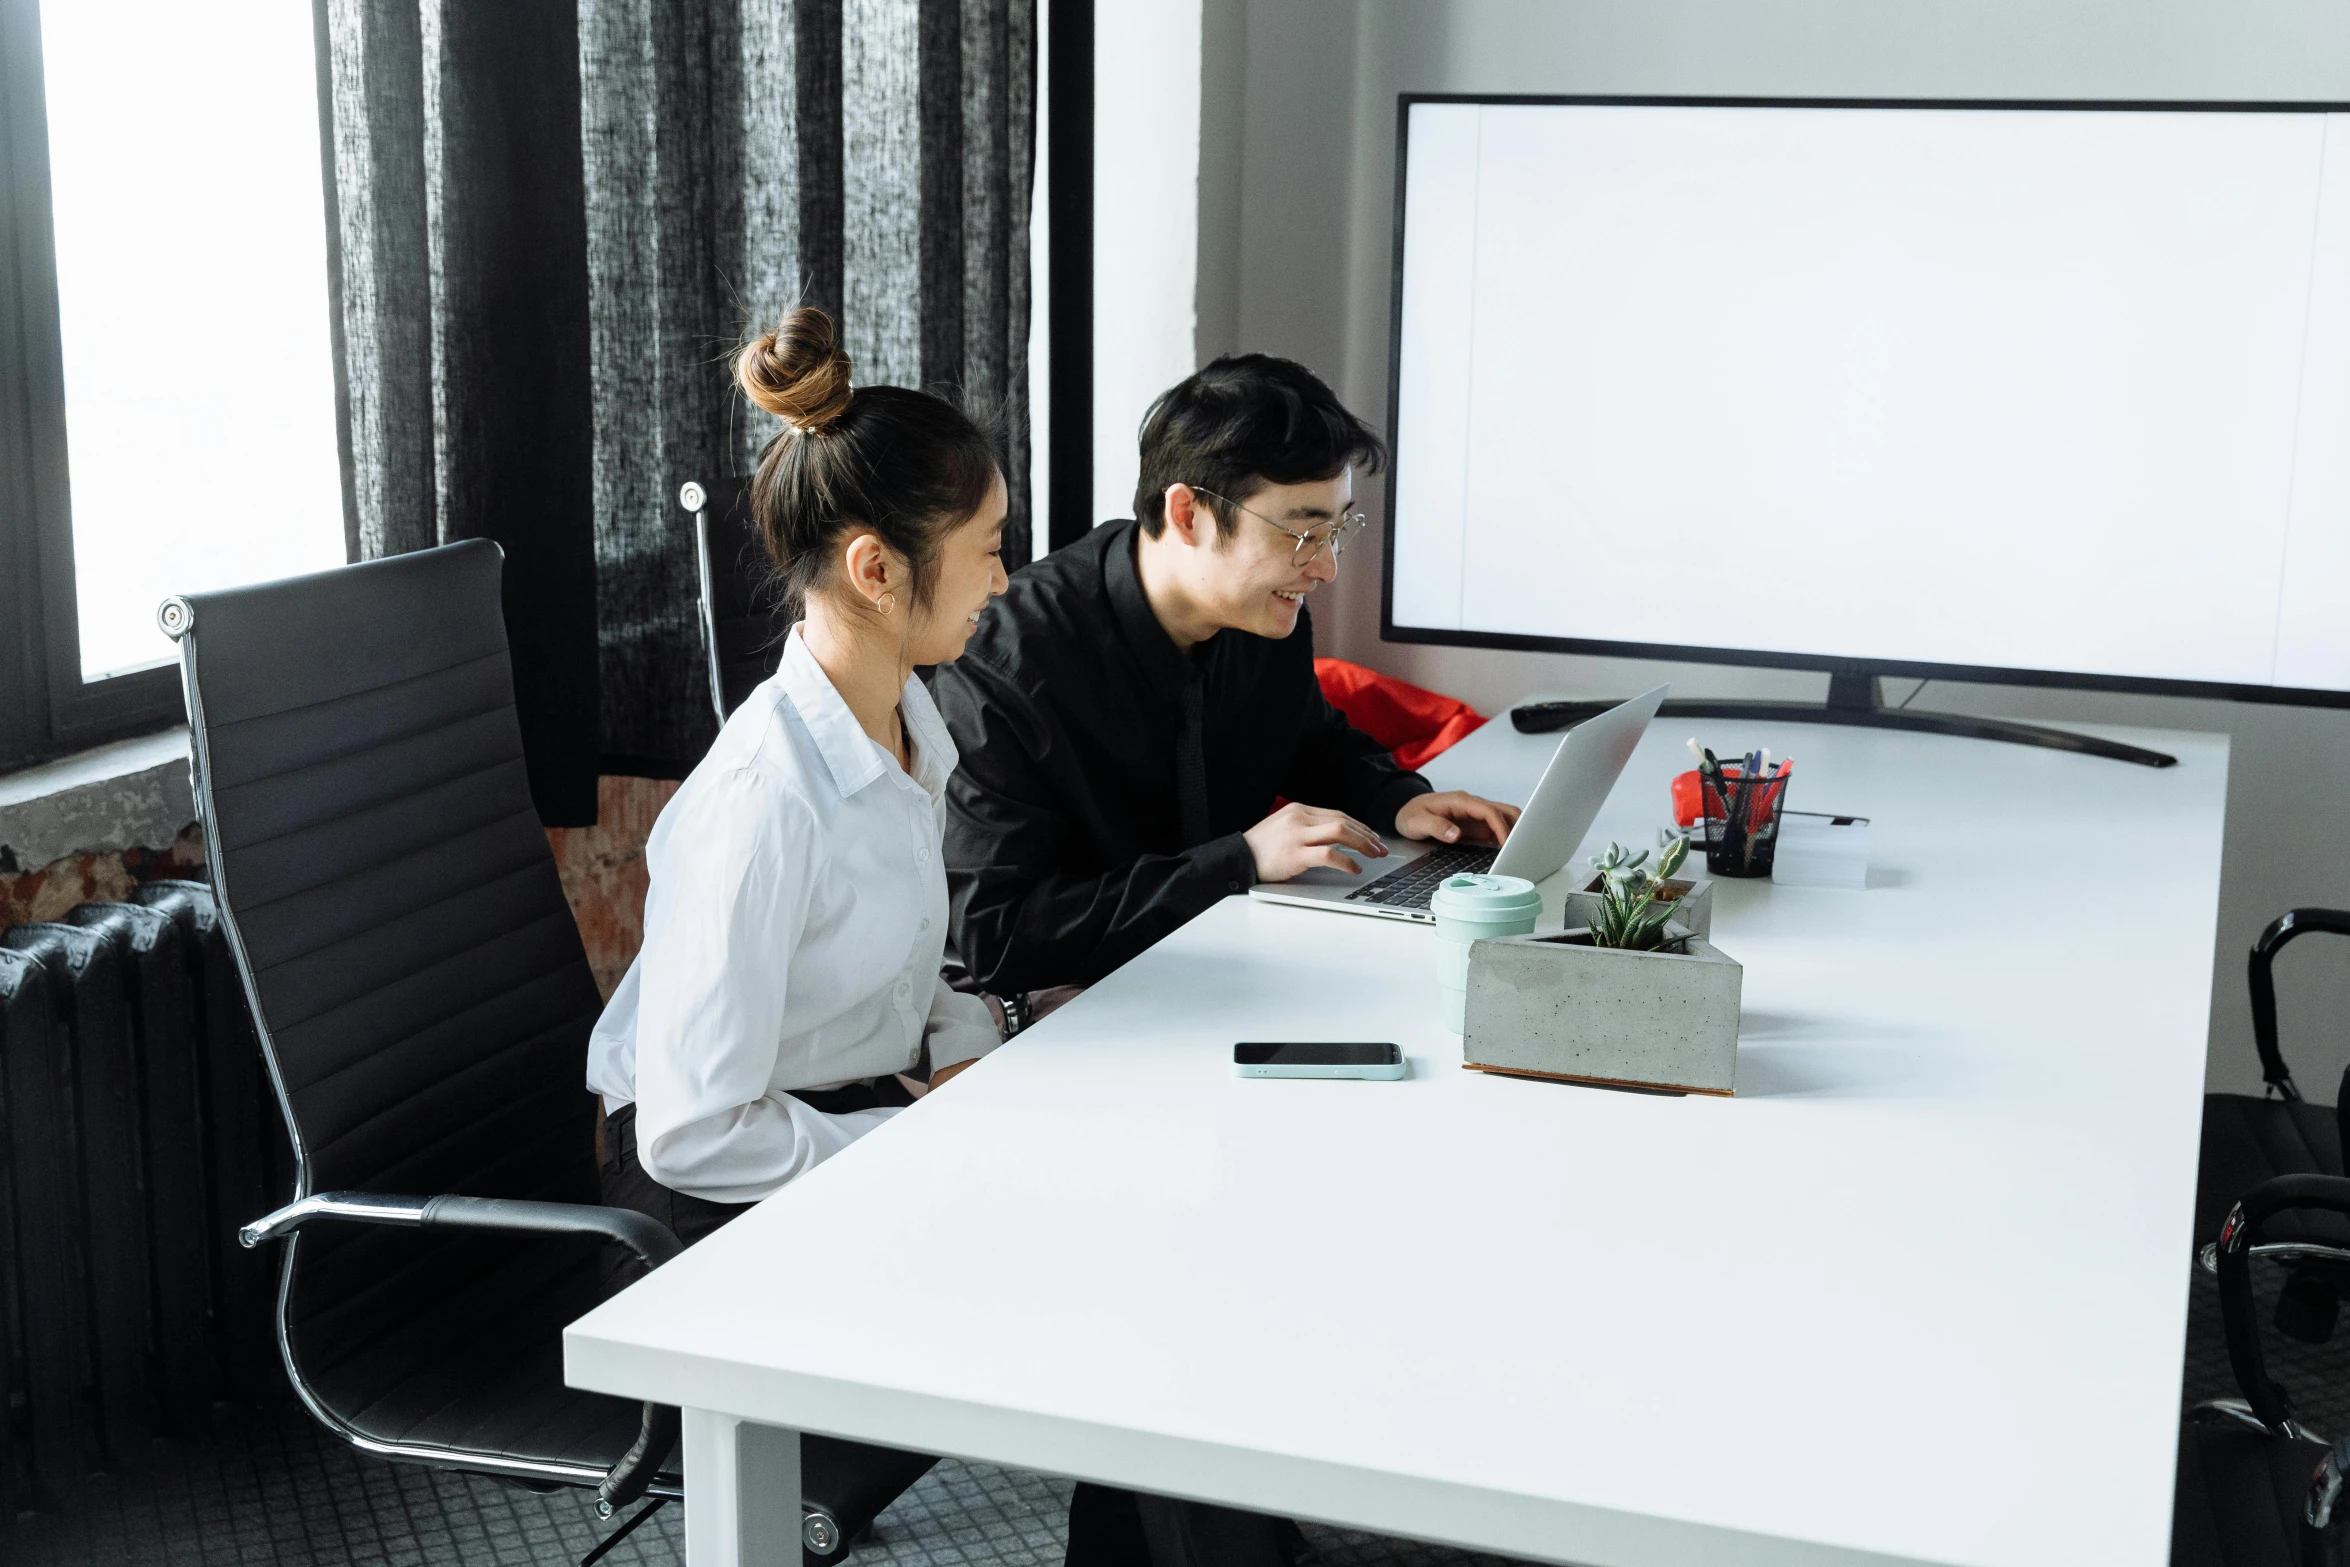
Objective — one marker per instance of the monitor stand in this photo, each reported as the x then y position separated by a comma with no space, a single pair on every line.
1856,699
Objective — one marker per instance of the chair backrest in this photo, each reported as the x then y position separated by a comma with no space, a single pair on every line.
419,983
744,617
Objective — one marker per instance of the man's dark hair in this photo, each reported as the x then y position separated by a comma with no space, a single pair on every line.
1240,424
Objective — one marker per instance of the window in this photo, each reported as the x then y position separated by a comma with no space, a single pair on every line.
169,377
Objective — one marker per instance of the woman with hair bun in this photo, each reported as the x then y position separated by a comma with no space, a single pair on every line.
794,925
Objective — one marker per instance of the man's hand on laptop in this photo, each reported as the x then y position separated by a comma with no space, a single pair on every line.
1455,817
1297,838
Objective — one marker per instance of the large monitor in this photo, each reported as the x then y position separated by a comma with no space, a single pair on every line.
2042,393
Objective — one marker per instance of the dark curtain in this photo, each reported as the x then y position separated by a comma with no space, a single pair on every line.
464,290
872,157
555,220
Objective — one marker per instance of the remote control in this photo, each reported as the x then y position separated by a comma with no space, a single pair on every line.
1541,718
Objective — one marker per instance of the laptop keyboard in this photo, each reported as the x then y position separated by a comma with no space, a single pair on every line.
1411,886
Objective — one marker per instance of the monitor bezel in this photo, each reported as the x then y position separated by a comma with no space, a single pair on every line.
1824,663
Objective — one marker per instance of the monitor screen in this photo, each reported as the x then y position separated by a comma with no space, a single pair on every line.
2058,393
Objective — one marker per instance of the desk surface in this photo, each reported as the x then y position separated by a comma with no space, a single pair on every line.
1918,1293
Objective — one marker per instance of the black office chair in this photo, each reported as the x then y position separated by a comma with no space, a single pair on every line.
424,1002
2249,1140
2256,1488
743,614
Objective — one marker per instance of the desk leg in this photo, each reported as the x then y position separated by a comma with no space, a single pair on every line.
742,1492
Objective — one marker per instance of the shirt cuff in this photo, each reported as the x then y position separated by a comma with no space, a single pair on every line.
1389,798
961,1028
750,1152
1225,864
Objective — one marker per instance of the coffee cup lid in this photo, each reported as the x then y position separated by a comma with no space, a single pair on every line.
1470,896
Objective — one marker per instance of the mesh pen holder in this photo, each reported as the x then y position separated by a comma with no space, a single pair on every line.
1742,831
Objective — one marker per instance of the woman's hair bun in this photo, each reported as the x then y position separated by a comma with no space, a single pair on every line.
797,372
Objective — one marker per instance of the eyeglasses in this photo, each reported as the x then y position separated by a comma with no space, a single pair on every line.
1332,535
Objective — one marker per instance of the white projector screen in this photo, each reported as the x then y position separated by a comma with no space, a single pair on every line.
2041,392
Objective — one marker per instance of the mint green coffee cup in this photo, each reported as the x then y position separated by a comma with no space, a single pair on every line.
1472,908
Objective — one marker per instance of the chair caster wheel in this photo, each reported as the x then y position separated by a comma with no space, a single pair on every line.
819,1533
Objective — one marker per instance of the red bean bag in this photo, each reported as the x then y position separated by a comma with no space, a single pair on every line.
1414,724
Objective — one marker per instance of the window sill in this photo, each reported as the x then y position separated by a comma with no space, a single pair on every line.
132,794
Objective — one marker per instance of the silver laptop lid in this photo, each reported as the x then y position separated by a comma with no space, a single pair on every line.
1573,788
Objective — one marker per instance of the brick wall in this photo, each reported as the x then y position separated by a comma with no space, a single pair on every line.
603,869
106,876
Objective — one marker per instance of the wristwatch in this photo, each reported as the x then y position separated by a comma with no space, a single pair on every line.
1015,1008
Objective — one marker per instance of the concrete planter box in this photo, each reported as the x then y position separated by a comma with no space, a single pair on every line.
1693,909
1557,1006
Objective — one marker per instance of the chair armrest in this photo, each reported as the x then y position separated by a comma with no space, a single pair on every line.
642,1234
2239,1237
650,1239
2262,983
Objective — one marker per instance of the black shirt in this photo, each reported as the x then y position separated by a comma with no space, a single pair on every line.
1077,832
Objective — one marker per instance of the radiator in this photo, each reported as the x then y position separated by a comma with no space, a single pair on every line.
137,1131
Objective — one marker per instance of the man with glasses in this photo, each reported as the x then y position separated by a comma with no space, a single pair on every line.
1127,715
1129,712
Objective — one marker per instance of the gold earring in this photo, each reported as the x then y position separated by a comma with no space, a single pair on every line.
889,601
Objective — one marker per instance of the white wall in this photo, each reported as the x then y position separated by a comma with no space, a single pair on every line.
1146,126
1295,182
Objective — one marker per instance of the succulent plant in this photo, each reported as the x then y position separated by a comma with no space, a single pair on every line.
1629,914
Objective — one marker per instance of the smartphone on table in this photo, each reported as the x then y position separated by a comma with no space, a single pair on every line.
1323,1058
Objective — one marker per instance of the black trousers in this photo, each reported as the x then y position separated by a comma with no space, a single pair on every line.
1107,1527
1113,1528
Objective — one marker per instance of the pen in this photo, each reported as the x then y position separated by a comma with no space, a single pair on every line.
1751,818
1736,802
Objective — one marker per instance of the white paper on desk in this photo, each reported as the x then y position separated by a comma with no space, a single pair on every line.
1817,850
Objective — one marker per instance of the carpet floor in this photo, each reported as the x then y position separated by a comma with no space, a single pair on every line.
268,1488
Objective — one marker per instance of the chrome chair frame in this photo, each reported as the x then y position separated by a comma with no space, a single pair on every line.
696,499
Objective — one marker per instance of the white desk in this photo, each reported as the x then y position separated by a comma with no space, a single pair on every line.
1918,1293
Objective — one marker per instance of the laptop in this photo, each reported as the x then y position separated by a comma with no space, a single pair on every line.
1561,810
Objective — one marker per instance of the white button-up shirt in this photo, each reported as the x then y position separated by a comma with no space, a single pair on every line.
793,931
